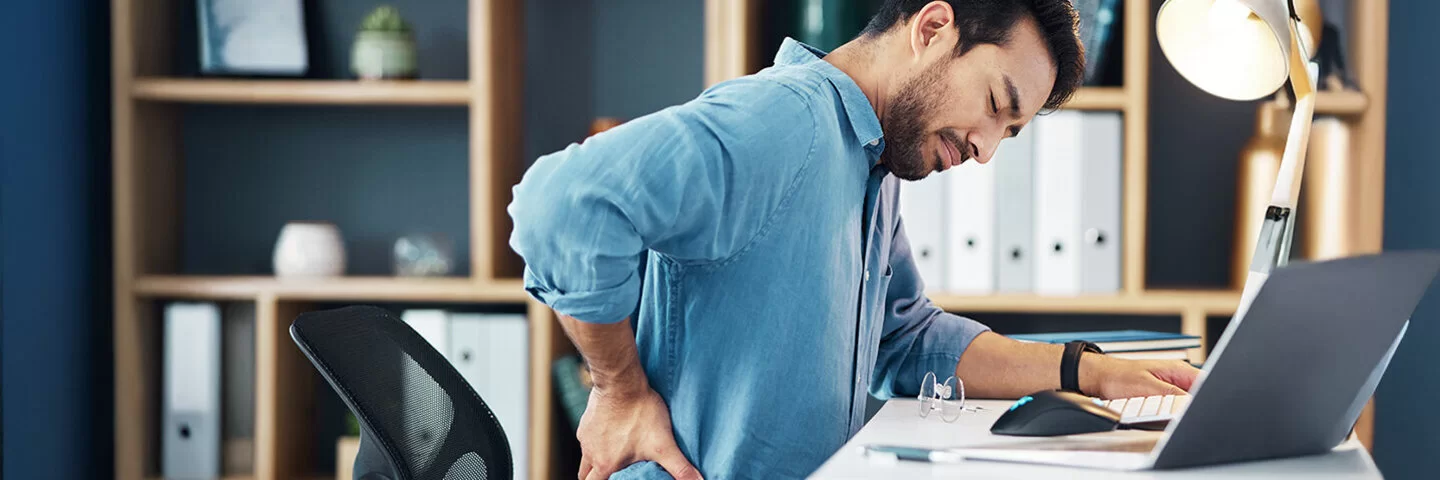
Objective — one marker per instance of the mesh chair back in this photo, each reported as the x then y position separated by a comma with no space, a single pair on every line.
419,419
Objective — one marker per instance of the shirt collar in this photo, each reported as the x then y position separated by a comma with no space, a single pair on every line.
857,106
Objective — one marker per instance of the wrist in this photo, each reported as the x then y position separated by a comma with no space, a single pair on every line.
1092,372
626,382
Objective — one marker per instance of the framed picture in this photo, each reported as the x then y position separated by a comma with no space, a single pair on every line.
253,37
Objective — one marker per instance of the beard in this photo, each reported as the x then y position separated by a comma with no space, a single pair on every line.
904,128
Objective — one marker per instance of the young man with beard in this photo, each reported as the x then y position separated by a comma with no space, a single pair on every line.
780,289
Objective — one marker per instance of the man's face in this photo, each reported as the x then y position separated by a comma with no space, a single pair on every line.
953,109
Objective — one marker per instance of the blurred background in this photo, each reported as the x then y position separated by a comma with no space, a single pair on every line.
231,164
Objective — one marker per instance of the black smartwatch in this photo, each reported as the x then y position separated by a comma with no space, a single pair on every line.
1070,364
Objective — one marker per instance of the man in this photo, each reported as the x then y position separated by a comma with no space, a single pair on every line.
779,286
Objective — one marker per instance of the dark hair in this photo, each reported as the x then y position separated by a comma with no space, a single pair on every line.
992,21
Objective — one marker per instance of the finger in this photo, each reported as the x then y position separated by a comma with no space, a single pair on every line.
603,470
675,463
1165,388
597,474
1180,374
585,468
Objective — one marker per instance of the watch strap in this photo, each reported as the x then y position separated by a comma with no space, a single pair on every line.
1070,364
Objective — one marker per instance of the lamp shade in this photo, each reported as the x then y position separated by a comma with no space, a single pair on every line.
1235,49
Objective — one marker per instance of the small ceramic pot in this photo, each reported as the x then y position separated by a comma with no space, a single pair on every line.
309,249
383,56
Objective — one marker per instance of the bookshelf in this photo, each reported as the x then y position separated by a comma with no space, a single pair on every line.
148,98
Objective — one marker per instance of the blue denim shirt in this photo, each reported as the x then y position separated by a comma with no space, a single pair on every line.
779,286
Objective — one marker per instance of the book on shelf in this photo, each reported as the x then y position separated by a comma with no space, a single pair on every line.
491,352
1119,341
191,405
1044,216
1178,354
1077,198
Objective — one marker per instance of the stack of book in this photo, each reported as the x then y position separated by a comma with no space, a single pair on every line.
1131,344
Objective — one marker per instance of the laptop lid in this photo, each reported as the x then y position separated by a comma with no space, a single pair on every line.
1284,380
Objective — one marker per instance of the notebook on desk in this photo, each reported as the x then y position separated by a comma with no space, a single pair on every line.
1300,346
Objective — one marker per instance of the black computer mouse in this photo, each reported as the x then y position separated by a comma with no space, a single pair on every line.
1055,412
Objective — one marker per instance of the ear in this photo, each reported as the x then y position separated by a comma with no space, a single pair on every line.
932,30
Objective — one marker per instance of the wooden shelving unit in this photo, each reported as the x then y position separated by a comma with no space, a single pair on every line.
302,92
148,99
148,102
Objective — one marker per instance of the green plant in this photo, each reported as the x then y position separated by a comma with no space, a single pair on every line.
384,18
352,425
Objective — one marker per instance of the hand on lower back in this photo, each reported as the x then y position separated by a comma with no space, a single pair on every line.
619,429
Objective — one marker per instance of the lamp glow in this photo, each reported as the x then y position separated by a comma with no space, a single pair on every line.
1226,14
1234,49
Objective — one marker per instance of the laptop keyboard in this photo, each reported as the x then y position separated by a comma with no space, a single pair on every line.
1155,408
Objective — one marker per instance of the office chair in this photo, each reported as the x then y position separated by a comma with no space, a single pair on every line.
419,419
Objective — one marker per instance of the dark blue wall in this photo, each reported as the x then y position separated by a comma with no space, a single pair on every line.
55,239
648,55
377,173
1407,434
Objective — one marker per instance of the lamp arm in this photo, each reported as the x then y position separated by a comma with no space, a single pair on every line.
1272,249
1292,162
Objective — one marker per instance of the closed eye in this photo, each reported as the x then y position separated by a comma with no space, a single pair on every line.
994,107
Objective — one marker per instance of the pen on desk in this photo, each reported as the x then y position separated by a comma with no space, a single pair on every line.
914,454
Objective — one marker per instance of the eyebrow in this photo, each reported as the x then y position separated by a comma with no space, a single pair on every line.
1014,104
1014,97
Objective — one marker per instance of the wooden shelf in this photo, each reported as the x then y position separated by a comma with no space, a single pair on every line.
1341,103
343,288
1152,302
1116,99
312,92
1099,98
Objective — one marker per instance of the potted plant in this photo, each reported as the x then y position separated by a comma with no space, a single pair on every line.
384,47
347,448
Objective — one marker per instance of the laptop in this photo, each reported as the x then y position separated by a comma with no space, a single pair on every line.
1289,377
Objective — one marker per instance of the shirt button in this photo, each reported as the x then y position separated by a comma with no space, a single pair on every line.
874,142
867,275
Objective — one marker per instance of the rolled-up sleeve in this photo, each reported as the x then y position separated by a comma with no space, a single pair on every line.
918,337
695,182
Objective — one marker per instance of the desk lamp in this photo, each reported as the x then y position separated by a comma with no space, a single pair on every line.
1245,50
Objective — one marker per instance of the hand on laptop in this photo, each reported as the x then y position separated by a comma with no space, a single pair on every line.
1109,377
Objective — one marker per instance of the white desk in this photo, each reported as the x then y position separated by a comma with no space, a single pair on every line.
899,423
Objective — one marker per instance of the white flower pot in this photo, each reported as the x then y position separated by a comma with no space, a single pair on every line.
309,249
383,55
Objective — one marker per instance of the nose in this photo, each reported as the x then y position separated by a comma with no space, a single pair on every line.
984,144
